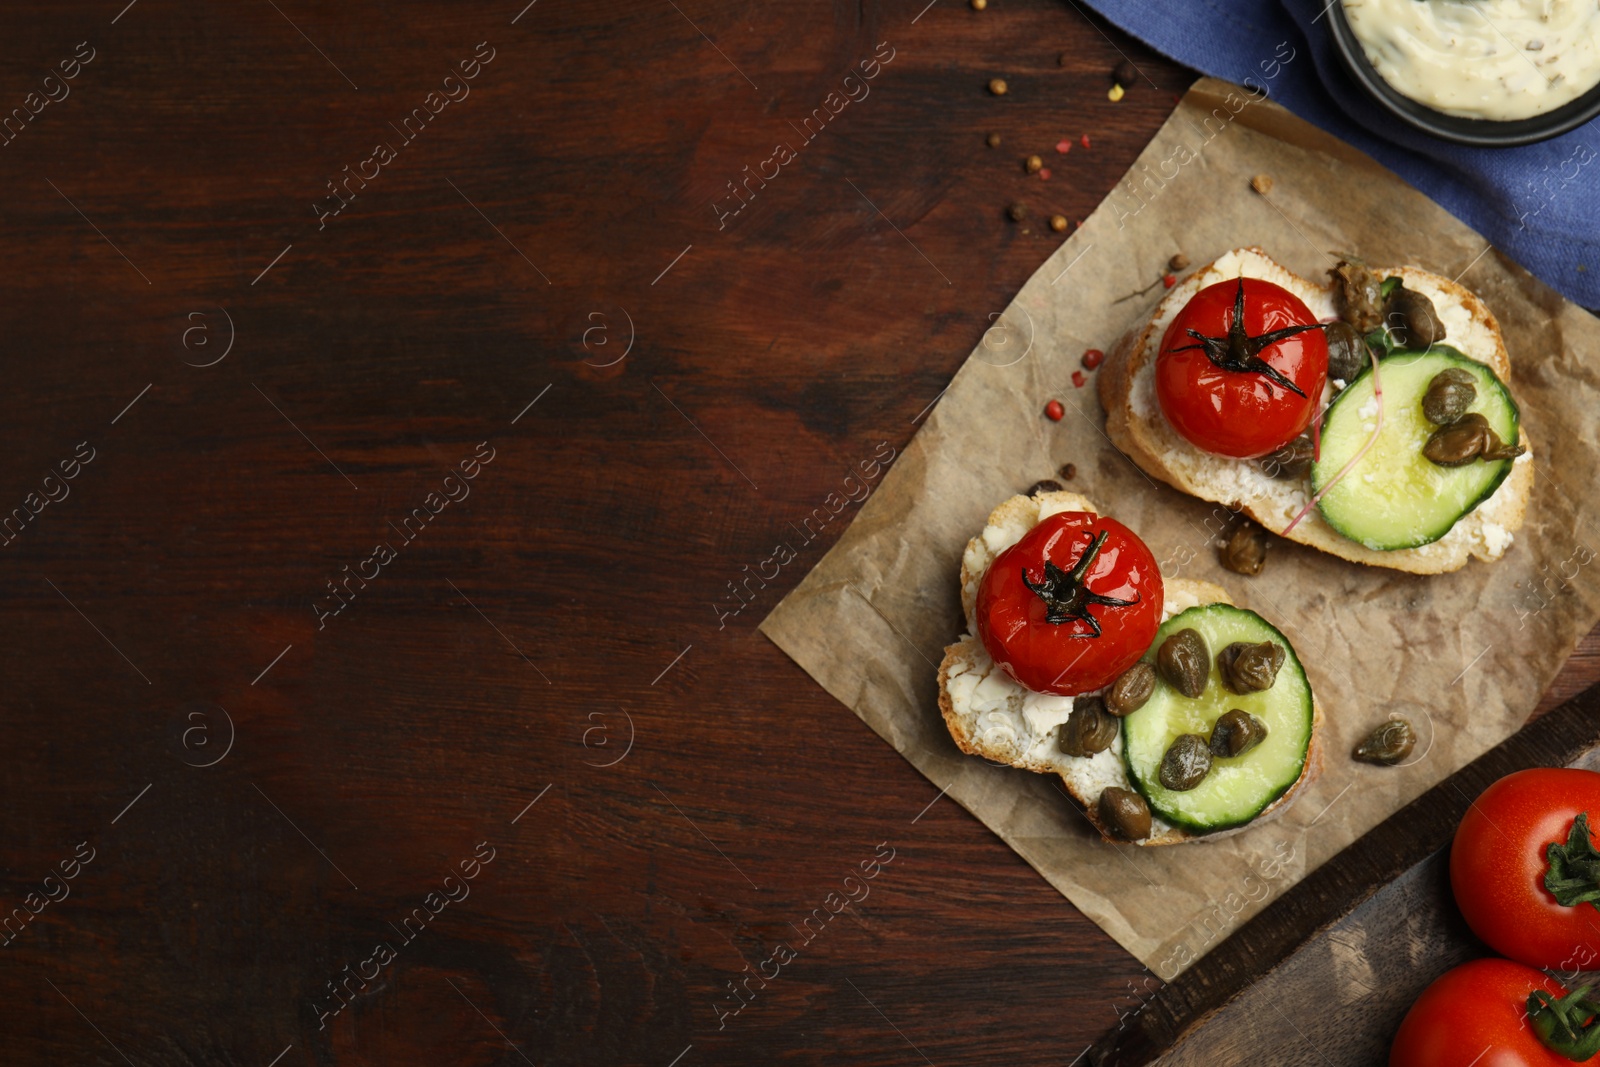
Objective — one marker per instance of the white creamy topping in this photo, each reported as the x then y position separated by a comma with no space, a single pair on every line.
1485,59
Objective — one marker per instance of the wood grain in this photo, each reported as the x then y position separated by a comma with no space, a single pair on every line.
268,790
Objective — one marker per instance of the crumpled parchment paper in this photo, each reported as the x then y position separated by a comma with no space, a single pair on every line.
1464,655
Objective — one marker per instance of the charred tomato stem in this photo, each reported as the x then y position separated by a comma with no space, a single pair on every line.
1239,352
1066,594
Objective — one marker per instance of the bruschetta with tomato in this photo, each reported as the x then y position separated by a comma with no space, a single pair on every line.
1371,417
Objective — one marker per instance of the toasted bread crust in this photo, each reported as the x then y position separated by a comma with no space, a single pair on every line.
1147,438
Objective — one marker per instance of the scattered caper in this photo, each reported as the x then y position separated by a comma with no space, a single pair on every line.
1125,812
1292,460
1360,295
1236,733
1347,351
1186,763
1411,319
1246,549
1449,395
1089,729
1247,668
1131,690
1185,662
1044,485
1389,744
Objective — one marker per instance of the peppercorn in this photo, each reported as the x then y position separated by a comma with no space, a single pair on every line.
997,86
1032,164
1054,411
1179,261
1262,183
993,140
1093,358
1058,222
1068,471
979,5
1017,211
1063,59
1125,74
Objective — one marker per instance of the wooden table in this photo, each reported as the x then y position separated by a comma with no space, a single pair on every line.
282,676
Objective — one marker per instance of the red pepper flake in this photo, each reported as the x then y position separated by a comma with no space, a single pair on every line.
1093,358
1044,174
1054,411
1063,147
1085,140
1168,281
1078,379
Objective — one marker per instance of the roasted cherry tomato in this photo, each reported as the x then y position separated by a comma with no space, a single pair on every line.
1072,605
1503,853
1241,368
1476,1015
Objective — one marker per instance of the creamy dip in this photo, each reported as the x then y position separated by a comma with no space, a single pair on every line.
1484,59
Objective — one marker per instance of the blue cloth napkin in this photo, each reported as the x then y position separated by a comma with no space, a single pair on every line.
1539,204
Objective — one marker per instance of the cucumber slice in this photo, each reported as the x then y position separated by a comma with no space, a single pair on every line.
1240,787
1395,497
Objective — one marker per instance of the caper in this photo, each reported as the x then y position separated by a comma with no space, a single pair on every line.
1461,442
1247,668
1125,812
1089,729
1185,662
1236,733
1496,449
1186,763
1411,319
1292,460
1044,485
1246,549
1389,744
1347,351
1449,395
1360,295
1130,691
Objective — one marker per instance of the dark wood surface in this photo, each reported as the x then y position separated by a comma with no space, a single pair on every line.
266,796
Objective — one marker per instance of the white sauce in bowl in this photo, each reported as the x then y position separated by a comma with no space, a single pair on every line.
1483,59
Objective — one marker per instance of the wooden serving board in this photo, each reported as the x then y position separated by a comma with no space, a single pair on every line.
1325,974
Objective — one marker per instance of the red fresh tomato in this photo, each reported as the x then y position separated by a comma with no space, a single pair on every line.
1498,864
1220,377
1072,605
1475,1015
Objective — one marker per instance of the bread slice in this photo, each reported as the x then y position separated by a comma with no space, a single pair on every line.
1136,425
990,715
